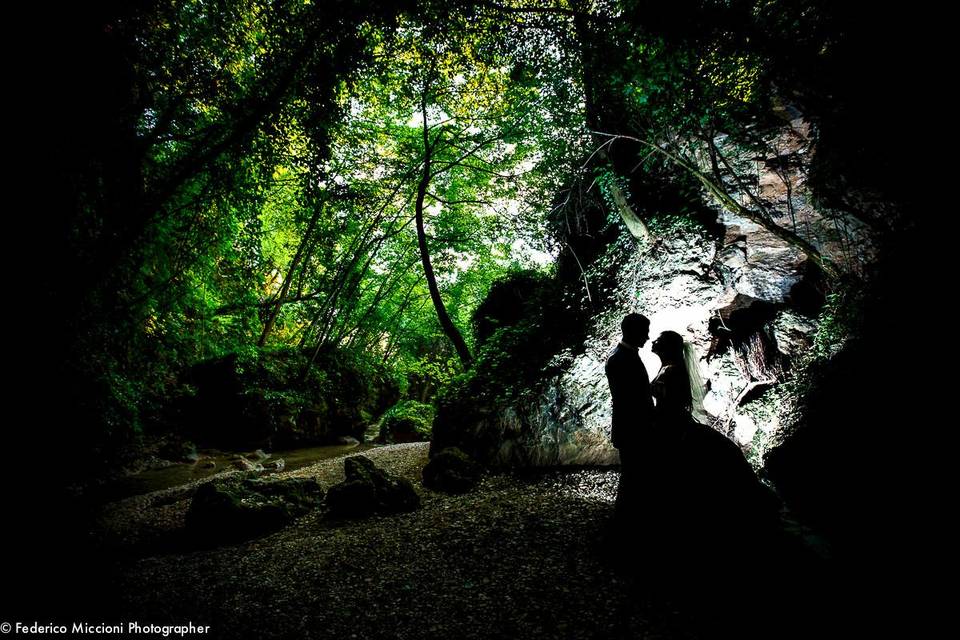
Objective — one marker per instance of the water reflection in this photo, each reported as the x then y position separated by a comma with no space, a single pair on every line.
182,473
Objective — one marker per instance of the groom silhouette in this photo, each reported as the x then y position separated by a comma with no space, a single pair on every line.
632,424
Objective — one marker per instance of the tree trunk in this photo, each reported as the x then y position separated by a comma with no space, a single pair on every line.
288,280
446,323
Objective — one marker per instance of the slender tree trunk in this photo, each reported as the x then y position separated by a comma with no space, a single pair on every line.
446,323
360,245
387,286
288,280
392,328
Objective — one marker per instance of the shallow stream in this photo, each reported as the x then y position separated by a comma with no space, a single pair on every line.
183,472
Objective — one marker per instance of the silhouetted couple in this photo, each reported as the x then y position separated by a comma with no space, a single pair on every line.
680,480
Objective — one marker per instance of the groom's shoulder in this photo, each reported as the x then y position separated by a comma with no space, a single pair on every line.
615,355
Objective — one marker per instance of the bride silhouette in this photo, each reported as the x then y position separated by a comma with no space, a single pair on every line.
711,485
677,388
717,514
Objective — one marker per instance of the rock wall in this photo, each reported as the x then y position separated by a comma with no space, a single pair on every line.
744,298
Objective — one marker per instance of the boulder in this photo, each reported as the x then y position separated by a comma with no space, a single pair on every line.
274,465
243,464
345,419
793,333
407,421
242,507
321,423
369,489
352,499
451,471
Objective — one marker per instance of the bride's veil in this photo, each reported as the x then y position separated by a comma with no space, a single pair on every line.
696,384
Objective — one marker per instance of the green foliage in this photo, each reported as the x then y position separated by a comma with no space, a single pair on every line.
608,180
407,421
766,412
517,299
839,319
666,224
273,398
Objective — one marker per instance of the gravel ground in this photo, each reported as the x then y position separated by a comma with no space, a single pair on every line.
519,557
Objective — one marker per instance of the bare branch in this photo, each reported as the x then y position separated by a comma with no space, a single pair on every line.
560,11
451,202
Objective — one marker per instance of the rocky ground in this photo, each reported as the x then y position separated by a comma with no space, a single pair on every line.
519,557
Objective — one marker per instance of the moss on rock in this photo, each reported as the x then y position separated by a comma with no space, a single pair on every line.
407,421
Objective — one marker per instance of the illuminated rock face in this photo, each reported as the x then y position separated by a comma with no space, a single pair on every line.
680,285
744,298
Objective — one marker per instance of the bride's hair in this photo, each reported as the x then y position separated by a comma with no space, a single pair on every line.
671,343
674,345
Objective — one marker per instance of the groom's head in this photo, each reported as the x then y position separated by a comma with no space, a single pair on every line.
636,329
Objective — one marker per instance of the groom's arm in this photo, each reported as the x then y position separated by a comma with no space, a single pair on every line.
621,392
